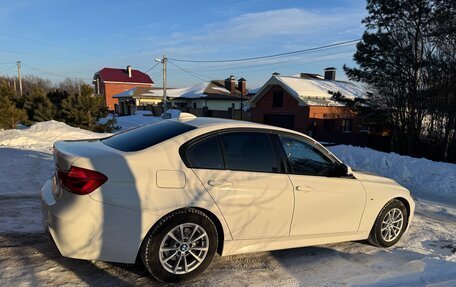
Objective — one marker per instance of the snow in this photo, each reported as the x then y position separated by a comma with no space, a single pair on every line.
425,256
41,136
221,89
195,91
315,88
427,179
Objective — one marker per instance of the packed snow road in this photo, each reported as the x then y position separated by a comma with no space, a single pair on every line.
426,256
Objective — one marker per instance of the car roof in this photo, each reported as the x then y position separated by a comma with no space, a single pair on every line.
200,122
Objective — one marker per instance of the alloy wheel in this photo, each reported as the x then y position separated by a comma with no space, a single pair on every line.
392,224
184,248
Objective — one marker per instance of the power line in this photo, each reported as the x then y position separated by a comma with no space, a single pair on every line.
268,56
271,64
193,74
2,71
152,67
6,63
44,71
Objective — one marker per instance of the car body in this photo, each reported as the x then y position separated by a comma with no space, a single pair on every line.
244,177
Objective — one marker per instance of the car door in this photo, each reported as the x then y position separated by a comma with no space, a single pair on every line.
325,204
244,175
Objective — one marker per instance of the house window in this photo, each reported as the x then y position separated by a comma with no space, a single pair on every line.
347,125
277,99
194,105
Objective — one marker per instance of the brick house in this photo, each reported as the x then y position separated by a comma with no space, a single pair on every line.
306,103
112,81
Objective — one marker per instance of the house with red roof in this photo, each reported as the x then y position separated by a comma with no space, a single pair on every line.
112,81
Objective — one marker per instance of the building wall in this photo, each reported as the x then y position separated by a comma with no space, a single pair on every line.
148,101
307,119
216,105
110,89
290,107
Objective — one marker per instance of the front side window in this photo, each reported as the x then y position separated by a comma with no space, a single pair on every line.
249,151
305,159
205,154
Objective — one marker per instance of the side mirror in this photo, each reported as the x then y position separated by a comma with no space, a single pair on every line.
341,169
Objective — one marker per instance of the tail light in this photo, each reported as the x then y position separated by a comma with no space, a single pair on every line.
80,180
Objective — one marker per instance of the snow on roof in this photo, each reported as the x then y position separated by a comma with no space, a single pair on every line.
141,92
254,91
315,88
195,91
211,90
313,91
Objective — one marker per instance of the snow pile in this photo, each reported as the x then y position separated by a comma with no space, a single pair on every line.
41,136
426,178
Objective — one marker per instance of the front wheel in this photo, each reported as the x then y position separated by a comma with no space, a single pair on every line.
181,246
389,225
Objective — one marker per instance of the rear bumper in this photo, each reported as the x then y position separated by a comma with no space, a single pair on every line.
83,228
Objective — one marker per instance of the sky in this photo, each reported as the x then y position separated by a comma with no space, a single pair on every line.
56,39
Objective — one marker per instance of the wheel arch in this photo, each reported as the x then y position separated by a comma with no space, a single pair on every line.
407,207
218,225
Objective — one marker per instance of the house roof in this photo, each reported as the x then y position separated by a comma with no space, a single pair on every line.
141,92
214,90
311,91
121,76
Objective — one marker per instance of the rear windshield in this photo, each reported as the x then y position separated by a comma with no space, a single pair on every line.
147,136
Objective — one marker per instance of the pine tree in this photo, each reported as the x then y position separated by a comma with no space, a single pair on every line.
10,116
38,106
83,110
393,58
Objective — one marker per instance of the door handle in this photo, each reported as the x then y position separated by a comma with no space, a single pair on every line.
219,183
304,188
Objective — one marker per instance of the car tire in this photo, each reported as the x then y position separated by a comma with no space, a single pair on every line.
390,224
180,246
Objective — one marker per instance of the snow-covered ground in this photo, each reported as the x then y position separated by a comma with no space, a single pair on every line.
426,256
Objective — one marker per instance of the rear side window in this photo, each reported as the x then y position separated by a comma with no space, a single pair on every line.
205,154
249,151
147,136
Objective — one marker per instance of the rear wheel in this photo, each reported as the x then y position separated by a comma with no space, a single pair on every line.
389,225
181,246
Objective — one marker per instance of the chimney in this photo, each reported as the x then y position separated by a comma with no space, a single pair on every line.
242,86
330,73
129,71
230,84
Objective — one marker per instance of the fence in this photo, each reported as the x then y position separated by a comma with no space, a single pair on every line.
381,143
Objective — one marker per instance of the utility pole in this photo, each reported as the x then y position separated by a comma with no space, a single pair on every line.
164,61
19,77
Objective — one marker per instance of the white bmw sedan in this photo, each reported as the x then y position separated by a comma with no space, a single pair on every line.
176,192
